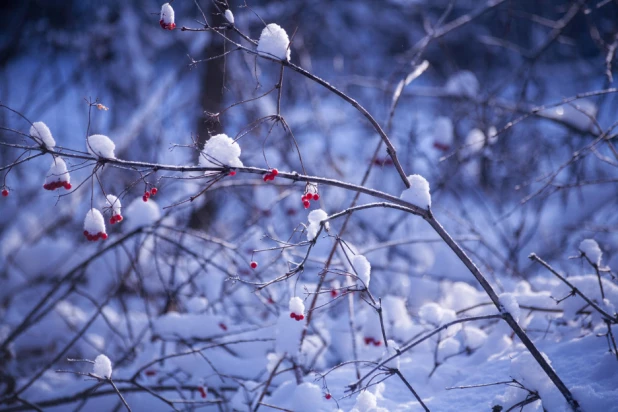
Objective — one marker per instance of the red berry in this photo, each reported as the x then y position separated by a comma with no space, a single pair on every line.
333,293
328,396
253,264
202,391
293,315
144,198
222,326
147,193
306,204
316,196
274,173
150,372
377,342
233,173
300,317
103,235
303,198
112,220
167,26
368,341
153,191
119,218
67,186
85,233
271,301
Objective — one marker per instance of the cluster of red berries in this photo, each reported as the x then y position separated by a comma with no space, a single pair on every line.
94,238
253,264
56,185
223,326
271,175
147,193
167,26
115,219
307,197
369,341
200,388
297,317
441,146
5,192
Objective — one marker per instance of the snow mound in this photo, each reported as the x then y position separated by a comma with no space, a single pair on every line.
431,313
591,249
307,396
274,42
41,133
418,193
113,202
463,83
365,401
102,367
297,306
101,146
220,150
362,268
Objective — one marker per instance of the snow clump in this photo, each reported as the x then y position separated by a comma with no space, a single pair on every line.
58,176
113,203
591,249
102,367
274,42
297,308
220,150
41,133
365,401
315,217
94,225
463,83
418,193
167,17
101,146
362,268
229,16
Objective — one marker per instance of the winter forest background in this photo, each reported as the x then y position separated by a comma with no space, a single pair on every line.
292,268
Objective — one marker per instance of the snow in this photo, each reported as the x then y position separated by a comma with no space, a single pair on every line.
101,146
307,397
220,150
463,83
578,114
389,351
443,133
58,172
297,306
418,192
94,222
315,217
509,302
431,313
362,268
475,141
365,401
591,249
113,202
102,366
229,16
140,213
274,42
167,14
41,133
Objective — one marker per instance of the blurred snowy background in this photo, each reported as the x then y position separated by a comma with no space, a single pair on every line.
512,123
